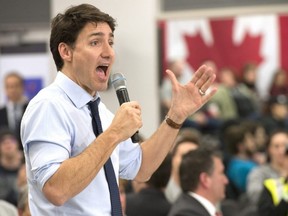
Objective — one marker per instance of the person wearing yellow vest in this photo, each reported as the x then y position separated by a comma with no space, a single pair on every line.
274,197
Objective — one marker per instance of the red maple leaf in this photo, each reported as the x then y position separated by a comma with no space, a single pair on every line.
224,52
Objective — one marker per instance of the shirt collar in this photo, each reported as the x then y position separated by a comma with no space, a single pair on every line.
206,203
76,93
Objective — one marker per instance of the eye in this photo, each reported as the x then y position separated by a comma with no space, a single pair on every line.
111,43
95,43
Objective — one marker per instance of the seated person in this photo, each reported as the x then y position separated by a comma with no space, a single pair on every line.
184,143
150,200
203,183
241,147
274,197
273,168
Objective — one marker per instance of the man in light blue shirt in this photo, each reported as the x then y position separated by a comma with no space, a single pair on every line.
64,158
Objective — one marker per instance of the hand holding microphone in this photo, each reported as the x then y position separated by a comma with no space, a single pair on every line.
119,83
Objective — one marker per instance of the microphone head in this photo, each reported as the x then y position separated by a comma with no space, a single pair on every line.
118,81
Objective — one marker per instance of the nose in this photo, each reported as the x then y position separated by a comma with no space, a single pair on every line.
226,180
107,51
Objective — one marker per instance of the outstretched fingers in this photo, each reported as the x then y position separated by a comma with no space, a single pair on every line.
172,78
209,95
203,79
198,75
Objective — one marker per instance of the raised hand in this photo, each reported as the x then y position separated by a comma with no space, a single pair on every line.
188,98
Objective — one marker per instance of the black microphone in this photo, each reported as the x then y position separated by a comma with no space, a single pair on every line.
119,83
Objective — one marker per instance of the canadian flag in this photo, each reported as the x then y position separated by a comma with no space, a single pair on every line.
230,42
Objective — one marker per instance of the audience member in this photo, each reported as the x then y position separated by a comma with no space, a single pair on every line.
7,209
10,162
277,114
273,200
240,163
278,84
151,200
203,183
23,205
11,114
274,168
223,99
122,186
187,140
21,177
257,138
245,94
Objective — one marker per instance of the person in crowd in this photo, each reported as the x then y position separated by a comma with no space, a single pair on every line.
203,182
277,114
273,199
22,177
257,138
278,84
248,102
151,200
274,168
73,166
226,108
11,114
23,204
122,187
241,147
188,140
7,209
11,159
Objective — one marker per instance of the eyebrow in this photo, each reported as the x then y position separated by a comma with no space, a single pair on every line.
101,34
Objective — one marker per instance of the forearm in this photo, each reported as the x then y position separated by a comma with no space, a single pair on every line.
155,150
76,173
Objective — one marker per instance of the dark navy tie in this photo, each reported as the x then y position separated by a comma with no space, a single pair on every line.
108,167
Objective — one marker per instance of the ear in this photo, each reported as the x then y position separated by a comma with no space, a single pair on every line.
65,52
205,180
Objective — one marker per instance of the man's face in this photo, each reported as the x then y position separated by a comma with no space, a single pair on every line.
8,146
91,58
218,180
14,88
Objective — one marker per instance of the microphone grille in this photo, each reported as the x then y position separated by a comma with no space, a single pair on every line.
118,81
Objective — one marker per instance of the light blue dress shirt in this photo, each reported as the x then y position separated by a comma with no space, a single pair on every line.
57,126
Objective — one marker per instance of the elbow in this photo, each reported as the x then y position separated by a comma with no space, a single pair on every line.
142,177
54,195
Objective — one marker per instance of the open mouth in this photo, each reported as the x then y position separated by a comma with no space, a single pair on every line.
102,69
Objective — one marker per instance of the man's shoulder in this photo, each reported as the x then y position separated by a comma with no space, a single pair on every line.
188,205
3,108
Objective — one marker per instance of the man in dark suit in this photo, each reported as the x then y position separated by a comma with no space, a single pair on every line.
150,200
11,114
203,183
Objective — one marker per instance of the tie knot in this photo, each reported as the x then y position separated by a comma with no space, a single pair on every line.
93,105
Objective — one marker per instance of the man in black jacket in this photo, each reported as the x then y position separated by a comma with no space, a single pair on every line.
11,114
203,183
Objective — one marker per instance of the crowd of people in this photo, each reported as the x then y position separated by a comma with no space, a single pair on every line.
13,182
251,133
230,156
